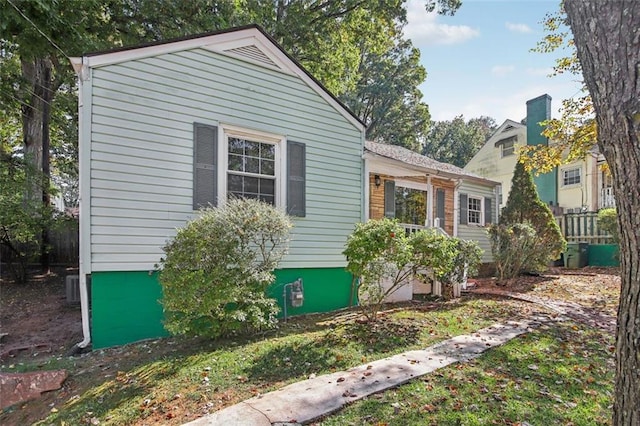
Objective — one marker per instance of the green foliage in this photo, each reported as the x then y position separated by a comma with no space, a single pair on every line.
528,237
515,250
608,222
383,258
23,216
217,268
456,141
378,251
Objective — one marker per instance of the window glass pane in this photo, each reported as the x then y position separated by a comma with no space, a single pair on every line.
267,167
252,165
236,146
267,186
250,184
267,199
268,151
234,183
235,162
252,148
411,205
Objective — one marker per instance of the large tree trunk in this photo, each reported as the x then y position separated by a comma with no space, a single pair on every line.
37,75
607,38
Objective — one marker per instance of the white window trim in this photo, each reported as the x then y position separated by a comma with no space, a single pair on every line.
226,131
481,200
568,169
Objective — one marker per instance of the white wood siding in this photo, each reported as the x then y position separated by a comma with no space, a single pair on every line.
142,115
475,232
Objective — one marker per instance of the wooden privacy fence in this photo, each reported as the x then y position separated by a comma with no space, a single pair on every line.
583,227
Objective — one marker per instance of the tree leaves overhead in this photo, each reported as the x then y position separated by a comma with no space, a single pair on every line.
457,141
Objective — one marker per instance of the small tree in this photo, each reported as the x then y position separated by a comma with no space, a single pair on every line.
608,222
217,268
379,255
525,207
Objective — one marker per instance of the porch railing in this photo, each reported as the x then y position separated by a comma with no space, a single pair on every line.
410,228
606,198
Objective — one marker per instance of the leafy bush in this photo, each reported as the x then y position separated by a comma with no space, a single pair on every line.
608,222
516,249
383,259
217,268
449,258
378,251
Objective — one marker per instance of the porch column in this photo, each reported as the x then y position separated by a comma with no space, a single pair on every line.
429,218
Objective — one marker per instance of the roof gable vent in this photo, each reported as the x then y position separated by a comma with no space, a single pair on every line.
253,54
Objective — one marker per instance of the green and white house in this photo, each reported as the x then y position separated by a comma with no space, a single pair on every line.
169,127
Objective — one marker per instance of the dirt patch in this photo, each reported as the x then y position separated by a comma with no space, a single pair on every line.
36,317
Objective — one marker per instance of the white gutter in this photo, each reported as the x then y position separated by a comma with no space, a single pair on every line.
84,156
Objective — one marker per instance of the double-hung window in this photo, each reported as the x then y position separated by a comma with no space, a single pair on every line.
475,211
234,162
251,169
571,176
508,148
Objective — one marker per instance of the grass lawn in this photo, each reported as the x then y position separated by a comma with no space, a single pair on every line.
171,381
558,374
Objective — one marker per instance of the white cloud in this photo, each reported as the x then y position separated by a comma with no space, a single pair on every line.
540,72
425,29
502,70
518,28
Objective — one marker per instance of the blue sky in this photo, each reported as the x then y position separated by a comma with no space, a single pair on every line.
479,62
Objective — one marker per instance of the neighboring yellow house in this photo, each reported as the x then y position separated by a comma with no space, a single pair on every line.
497,159
580,186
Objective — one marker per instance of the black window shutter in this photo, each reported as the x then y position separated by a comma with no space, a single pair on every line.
440,206
296,179
389,199
205,160
488,211
464,209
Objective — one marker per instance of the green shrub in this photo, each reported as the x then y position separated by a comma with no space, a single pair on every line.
516,249
217,268
378,251
608,222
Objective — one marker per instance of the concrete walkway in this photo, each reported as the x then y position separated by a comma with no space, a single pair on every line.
308,400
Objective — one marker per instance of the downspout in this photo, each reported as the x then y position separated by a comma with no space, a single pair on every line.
84,156
456,206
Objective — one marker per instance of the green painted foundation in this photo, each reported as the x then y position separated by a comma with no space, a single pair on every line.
604,255
125,308
325,289
126,305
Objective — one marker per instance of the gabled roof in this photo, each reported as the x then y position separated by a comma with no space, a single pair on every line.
248,43
428,165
